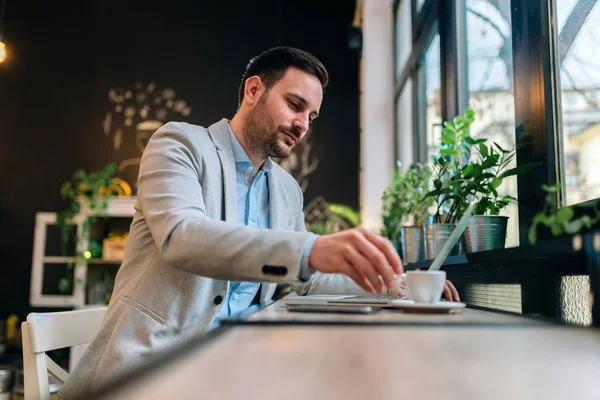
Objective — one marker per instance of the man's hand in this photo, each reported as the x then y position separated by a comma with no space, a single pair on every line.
450,292
368,259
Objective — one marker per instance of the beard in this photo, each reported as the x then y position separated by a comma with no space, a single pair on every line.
262,135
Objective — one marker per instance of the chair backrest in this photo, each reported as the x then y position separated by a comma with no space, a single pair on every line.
44,332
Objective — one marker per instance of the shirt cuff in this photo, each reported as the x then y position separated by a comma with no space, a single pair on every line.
305,270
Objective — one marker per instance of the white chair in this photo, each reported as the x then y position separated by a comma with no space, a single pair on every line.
44,332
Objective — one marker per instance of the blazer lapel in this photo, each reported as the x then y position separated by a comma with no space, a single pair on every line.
219,134
275,200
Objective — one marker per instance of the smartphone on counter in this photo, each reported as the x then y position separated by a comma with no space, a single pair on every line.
346,309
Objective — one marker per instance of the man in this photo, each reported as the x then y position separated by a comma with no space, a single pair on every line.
218,224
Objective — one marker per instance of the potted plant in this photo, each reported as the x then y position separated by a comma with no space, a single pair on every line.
470,170
447,194
89,191
481,179
404,210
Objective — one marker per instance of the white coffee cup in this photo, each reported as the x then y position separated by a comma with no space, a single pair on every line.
424,286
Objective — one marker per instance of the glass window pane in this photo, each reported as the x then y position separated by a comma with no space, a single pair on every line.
404,125
433,111
403,35
420,5
579,58
490,82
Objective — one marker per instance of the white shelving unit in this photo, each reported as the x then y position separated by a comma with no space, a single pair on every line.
117,207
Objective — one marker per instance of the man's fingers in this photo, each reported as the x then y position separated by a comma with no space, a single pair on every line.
358,279
447,293
377,259
453,290
364,267
386,247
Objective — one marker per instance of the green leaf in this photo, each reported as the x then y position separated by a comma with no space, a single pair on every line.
573,226
552,189
496,182
477,170
483,150
66,190
437,184
448,139
470,140
110,169
484,202
80,175
587,221
469,113
564,214
501,149
480,141
448,131
446,152
468,171
556,229
490,162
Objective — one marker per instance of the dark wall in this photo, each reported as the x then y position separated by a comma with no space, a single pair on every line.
65,56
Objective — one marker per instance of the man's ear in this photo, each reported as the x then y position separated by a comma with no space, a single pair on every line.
253,88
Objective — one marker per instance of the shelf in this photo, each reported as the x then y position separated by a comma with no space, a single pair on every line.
101,261
117,207
58,260
64,260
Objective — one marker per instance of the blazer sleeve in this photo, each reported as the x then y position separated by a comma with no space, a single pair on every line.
170,198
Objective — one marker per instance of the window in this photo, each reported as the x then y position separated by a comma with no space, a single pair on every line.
404,126
526,86
578,25
403,35
490,83
431,100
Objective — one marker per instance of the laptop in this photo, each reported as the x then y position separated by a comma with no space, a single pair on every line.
381,300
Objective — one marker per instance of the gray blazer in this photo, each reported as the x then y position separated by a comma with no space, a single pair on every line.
184,247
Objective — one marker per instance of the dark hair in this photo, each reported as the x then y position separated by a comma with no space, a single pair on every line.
271,65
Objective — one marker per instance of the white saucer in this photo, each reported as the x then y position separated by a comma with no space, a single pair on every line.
440,306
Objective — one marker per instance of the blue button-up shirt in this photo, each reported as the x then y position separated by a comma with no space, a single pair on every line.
253,210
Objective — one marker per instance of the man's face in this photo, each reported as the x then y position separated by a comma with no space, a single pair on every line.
281,117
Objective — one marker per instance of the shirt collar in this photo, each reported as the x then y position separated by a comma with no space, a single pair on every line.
239,154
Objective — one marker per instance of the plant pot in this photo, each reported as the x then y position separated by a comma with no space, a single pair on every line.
435,237
485,232
413,245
